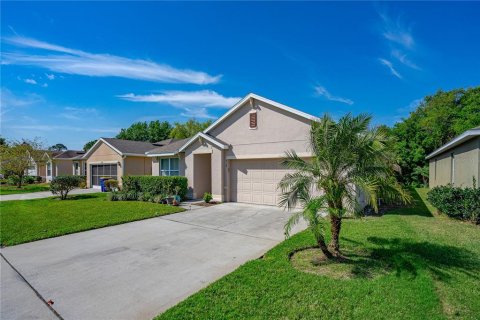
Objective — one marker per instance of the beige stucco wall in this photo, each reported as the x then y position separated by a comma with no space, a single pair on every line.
104,154
138,166
217,169
467,165
276,132
202,174
63,167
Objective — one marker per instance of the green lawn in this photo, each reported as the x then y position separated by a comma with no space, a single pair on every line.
29,220
431,271
4,189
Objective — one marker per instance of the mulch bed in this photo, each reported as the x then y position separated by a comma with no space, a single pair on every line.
204,204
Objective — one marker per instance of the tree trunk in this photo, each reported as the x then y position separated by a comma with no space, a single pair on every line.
323,246
20,180
335,229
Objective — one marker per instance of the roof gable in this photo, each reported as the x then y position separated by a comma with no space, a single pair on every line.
247,99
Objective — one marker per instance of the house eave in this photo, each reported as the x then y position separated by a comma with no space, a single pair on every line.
467,135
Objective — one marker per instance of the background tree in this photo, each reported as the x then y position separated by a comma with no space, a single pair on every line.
58,147
142,131
348,157
18,156
438,119
2,141
188,129
88,145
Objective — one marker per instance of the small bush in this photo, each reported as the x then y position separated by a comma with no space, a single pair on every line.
29,179
207,197
62,185
156,185
112,196
111,184
146,196
460,203
13,180
39,179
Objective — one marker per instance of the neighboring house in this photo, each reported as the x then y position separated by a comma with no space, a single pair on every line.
456,162
56,163
115,158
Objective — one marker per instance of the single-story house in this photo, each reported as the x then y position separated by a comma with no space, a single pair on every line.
114,158
56,163
237,158
456,162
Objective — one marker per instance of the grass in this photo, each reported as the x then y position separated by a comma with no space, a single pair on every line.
425,266
29,220
8,189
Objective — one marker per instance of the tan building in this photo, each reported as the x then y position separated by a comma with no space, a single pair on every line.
56,163
457,162
115,158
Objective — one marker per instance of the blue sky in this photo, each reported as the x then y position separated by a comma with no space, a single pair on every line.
73,72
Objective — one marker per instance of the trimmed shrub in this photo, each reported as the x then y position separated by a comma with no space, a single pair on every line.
62,185
156,185
29,179
460,203
13,180
112,196
39,179
207,197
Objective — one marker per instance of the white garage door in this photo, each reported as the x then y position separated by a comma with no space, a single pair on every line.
256,181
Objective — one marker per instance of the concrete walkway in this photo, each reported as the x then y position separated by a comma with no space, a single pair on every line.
135,270
42,194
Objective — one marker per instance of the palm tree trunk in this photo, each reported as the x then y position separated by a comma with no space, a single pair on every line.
323,246
336,225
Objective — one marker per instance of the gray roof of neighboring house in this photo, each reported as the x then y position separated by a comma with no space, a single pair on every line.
172,146
467,135
70,154
130,146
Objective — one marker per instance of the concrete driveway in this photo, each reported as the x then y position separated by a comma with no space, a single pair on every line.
135,270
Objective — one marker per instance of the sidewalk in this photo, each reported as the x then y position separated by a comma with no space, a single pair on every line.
43,194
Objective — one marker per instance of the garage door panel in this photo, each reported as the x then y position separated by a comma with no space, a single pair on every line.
256,181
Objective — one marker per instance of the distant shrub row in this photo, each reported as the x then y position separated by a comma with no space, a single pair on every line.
156,185
460,203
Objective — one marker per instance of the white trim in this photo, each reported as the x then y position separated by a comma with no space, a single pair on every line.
103,162
265,100
266,156
206,137
467,135
161,154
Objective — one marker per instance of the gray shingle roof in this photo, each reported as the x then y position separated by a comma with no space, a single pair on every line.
172,147
70,154
129,146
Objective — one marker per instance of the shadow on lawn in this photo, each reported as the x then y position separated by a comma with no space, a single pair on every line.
81,197
408,257
417,208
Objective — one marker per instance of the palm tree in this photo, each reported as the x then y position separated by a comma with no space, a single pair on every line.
350,160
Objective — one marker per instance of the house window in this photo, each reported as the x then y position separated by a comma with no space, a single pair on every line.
76,168
169,167
253,120
49,169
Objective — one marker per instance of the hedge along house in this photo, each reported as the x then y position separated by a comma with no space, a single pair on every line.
114,158
238,157
456,162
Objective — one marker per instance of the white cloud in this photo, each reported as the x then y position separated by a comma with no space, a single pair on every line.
30,81
71,61
389,65
45,85
64,128
395,31
412,106
72,113
50,76
204,98
321,91
200,113
402,57
10,100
